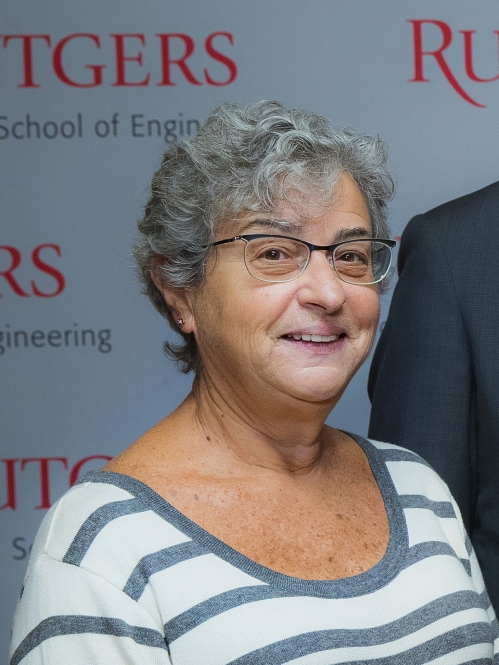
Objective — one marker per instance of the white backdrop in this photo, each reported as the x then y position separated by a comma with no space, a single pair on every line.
84,90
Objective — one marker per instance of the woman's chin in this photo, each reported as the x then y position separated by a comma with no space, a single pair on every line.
318,379
315,386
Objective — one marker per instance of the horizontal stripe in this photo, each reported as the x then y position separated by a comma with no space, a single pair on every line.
153,563
216,605
413,478
478,661
469,655
302,645
440,508
484,600
466,565
423,551
78,624
495,628
92,526
401,455
274,607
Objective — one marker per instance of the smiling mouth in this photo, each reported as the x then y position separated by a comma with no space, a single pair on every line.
319,339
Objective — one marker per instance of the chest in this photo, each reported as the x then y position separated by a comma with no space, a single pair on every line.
324,534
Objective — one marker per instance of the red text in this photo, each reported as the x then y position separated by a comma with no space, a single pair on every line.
11,257
13,466
445,36
173,51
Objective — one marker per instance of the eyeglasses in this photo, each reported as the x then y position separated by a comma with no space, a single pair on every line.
272,258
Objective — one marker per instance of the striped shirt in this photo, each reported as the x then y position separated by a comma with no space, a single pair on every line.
119,576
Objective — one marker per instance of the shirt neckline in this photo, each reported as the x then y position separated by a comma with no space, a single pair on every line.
370,580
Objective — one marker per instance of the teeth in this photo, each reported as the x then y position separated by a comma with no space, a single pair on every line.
315,338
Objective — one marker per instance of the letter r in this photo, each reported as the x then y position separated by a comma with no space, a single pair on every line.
419,53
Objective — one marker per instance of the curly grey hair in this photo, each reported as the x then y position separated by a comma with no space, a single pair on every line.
245,159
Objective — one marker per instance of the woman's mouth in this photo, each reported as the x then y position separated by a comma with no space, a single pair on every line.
319,339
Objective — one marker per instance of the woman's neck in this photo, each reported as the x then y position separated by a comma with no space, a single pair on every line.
276,432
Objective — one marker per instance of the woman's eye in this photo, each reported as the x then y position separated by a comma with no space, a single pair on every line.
273,255
352,257
277,252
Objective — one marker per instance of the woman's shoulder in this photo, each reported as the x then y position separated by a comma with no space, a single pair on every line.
69,514
411,473
421,492
106,524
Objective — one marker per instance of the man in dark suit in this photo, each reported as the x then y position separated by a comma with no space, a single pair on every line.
434,381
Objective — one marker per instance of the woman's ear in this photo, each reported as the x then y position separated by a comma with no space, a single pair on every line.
179,300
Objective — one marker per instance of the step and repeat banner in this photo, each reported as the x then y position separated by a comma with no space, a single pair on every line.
90,94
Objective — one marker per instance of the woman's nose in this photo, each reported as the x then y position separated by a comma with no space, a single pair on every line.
321,286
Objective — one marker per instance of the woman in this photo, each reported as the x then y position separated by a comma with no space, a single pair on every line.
242,529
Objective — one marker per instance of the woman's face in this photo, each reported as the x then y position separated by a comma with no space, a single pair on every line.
254,336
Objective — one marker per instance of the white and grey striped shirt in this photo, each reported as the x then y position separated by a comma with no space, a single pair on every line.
119,576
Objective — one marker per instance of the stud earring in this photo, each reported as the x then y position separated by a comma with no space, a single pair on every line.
180,322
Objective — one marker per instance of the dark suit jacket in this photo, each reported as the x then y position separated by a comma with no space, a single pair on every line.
434,381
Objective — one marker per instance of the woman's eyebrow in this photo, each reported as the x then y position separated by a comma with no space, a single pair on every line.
349,233
286,226
274,224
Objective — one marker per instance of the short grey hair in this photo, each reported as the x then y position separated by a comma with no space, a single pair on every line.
245,159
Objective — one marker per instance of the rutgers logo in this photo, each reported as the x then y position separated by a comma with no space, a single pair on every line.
173,50
445,35
10,267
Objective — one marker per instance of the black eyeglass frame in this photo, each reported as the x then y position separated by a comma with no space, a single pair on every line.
312,248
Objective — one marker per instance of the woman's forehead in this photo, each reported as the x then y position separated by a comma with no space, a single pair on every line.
331,223
303,205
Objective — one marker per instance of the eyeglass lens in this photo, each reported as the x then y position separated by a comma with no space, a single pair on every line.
278,259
